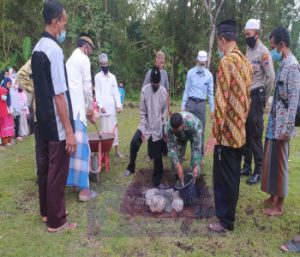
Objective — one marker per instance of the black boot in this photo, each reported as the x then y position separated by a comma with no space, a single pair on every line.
246,170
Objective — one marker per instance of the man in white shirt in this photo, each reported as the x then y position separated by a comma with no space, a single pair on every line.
80,85
108,100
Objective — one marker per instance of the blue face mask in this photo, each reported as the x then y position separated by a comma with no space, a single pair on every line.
220,54
61,37
276,56
201,68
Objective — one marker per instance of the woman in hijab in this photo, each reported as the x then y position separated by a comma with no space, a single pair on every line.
6,119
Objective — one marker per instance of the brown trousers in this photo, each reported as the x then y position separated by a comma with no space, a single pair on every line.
52,164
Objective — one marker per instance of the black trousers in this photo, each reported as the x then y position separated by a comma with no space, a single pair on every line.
226,181
254,131
53,165
17,125
155,150
199,110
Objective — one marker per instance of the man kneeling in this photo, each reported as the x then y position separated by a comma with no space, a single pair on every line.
184,127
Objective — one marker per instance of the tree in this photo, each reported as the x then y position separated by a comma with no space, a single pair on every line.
213,10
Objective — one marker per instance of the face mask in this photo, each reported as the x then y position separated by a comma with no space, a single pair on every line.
61,37
276,56
104,69
220,54
155,87
4,97
250,41
201,68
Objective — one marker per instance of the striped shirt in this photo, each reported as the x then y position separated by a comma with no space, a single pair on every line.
232,99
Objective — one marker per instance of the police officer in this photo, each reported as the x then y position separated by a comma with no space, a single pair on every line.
261,87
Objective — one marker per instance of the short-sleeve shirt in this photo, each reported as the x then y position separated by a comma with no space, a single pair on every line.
50,79
164,80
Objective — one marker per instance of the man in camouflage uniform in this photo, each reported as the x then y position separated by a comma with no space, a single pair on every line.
261,88
184,127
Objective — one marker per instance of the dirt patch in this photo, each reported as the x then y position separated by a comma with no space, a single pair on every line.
184,247
134,204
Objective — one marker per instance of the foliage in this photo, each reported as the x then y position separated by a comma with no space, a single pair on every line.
132,31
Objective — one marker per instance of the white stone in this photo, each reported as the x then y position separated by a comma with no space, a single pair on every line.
149,195
177,204
158,203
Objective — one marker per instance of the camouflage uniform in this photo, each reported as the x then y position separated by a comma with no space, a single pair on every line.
177,143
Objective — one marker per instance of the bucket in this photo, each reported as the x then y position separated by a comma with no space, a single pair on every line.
188,191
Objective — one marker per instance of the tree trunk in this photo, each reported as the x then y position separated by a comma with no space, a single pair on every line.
211,44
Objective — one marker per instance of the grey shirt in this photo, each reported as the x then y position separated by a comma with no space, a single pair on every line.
153,112
262,65
164,81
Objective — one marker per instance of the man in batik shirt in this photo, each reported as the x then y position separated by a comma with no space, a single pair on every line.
232,104
184,127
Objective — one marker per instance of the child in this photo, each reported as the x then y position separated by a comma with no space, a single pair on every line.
122,92
24,114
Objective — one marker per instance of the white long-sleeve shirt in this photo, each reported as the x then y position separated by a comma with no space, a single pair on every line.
107,93
80,84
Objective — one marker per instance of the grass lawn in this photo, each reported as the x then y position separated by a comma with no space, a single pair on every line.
103,231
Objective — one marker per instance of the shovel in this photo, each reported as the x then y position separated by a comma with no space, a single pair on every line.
99,134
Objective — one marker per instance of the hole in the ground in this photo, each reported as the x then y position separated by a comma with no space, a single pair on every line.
134,203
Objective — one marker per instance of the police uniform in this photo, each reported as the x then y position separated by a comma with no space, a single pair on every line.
261,88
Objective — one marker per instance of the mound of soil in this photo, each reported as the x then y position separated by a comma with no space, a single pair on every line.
134,203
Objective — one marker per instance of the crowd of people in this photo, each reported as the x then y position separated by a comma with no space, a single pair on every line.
61,99
14,109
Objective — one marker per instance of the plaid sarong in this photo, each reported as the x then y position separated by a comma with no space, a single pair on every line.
79,162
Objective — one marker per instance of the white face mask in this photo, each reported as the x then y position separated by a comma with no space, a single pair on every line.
4,98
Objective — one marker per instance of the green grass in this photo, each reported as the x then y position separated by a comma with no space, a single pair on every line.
103,231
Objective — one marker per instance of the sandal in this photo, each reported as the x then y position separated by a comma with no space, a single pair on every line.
67,226
291,246
272,213
216,227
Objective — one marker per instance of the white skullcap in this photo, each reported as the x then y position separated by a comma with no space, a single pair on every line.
103,58
253,24
202,56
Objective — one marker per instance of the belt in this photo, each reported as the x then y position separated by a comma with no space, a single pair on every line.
197,100
257,91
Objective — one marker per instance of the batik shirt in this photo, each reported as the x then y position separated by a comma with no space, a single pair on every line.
192,132
285,101
232,99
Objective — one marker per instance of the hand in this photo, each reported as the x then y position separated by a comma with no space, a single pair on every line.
165,138
210,145
283,137
119,109
180,172
143,138
212,116
195,171
70,143
91,116
103,110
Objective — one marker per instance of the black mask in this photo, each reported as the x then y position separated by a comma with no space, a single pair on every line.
251,41
105,69
155,87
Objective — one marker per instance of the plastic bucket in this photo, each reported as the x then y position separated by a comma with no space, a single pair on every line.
188,190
